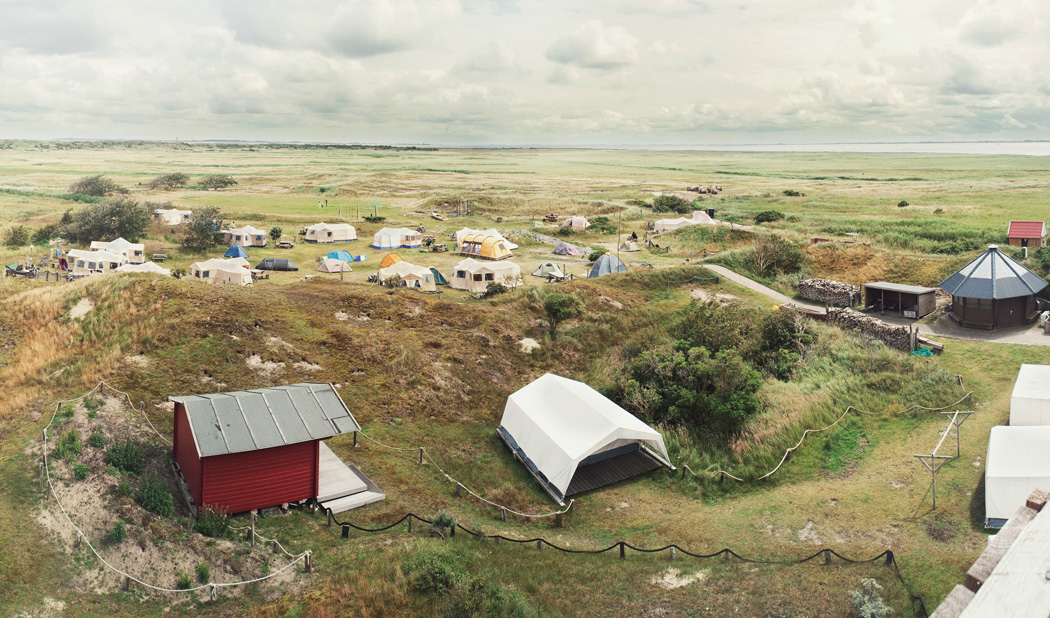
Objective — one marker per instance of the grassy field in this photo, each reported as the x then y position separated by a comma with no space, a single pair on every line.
435,371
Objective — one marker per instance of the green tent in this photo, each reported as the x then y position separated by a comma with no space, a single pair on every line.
439,279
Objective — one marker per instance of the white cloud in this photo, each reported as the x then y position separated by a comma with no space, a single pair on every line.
594,45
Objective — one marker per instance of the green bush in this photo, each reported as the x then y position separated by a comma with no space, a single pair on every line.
125,489
793,193
128,456
97,439
867,602
565,231
118,532
212,521
16,236
902,204
494,288
203,572
768,216
597,253
435,572
153,495
69,445
560,307
183,581
80,471
672,203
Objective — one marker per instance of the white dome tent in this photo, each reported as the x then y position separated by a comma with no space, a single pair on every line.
572,439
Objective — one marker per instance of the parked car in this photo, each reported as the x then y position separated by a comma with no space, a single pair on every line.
285,244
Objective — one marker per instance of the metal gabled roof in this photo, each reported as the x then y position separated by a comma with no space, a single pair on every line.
241,421
994,275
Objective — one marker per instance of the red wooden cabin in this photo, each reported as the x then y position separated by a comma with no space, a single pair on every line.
254,449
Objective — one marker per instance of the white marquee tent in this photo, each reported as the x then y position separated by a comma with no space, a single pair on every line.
1030,402
572,439
148,267
1017,463
395,237
666,225
330,232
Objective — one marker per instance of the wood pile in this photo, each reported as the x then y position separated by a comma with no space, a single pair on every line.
829,292
898,337
710,190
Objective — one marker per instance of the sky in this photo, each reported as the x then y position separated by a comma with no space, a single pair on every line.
527,72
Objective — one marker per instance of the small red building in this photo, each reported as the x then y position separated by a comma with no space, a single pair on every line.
254,449
1027,234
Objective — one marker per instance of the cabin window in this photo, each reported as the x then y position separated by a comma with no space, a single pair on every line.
204,274
461,274
91,266
113,265
329,234
490,276
477,277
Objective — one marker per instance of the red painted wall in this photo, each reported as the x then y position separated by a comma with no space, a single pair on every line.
185,450
258,479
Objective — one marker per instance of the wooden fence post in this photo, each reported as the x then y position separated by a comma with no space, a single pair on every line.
558,521
539,544
623,551
252,532
309,564
503,514
827,557
127,583
889,557
329,511
421,455
355,439
41,476
459,489
275,544
346,531
211,592
674,553
410,523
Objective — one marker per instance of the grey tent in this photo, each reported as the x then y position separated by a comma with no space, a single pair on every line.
607,264
993,291
564,248
276,264
548,269
439,279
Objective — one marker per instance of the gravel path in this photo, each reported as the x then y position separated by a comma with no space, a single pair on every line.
751,284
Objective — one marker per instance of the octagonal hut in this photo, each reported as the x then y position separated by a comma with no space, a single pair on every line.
993,291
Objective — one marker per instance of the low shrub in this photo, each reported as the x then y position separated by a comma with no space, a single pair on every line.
867,602
768,216
128,456
793,193
902,204
203,572
183,581
212,521
435,572
69,445
118,532
125,489
154,496
80,471
97,439
597,253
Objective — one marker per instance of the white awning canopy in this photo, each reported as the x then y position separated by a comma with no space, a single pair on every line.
1030,401
1018,462
559,423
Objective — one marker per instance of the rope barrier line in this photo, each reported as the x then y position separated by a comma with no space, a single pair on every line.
424,453
826,553
94,550
787,453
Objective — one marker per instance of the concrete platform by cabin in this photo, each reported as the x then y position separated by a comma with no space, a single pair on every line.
342,487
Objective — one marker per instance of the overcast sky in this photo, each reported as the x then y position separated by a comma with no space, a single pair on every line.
527,71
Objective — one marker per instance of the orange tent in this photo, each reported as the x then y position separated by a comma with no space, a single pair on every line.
390,260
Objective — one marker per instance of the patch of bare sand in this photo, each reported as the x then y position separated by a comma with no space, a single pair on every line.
720,297
81,309
266,369
673,578
528,344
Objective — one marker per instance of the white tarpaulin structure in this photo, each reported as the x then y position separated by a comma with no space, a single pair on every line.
148,267
573,439
1030,402
666,225
1017,463
330,232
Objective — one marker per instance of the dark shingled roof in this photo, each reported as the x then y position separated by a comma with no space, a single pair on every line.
262,418
995,275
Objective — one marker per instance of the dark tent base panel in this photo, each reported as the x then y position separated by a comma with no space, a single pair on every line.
593,472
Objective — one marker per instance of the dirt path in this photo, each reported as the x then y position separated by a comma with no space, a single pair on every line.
722,271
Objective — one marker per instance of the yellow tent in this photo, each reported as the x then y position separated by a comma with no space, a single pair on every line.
485,247
390,260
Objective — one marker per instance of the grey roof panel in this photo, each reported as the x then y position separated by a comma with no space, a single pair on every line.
261,423
287,418
205,426
993,275
267,417
899,287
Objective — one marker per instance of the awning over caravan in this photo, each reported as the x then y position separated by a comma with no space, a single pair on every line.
573,439
1017,463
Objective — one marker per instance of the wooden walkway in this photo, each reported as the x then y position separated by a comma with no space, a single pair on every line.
342,487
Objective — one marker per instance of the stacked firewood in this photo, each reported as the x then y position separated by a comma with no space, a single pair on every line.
898,337
828,291
712,189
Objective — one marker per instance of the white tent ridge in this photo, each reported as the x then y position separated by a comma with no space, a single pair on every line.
1030,401
1017,463
556,426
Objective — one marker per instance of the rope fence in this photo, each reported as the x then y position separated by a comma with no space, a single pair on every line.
826,554
82,537
787,453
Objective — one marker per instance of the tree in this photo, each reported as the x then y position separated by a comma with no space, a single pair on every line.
109,219
774,255
902,203
216,181
275,233
202,230
560,307
672,203
169,181
98,186
43,235
16,236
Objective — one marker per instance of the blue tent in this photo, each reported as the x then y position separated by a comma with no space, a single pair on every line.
343,256
235,251
607,264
